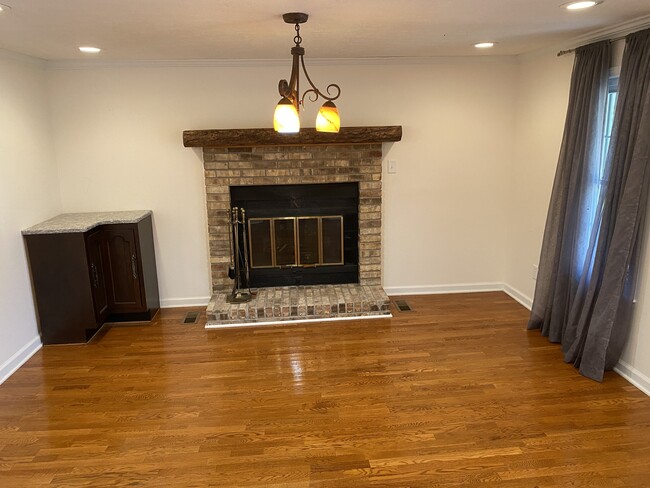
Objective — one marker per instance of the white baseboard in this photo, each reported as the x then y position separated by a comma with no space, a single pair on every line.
184,302
441,289
525,300
21,356
460,288
634,376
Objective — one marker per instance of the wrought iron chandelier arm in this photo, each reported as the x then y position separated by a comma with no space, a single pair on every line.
283,88
289,89
315,91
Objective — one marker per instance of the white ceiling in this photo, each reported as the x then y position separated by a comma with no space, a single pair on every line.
253,29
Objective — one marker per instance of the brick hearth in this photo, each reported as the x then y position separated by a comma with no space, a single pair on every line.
300,303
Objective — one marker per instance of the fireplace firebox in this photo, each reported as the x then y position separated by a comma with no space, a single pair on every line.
300,234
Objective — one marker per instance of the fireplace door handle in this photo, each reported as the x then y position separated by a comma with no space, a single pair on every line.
134,267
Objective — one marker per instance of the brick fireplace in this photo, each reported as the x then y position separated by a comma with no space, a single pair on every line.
261,157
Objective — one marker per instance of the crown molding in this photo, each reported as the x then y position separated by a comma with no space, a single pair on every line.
618,30
21,58
71,65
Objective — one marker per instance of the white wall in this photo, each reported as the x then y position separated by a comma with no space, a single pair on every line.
118,142
445,208
29,193
542,96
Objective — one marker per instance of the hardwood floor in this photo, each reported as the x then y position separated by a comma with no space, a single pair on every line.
455,393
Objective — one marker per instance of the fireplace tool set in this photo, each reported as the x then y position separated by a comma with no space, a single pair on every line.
239,269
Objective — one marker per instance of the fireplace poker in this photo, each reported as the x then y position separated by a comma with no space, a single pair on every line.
235,229
238,295
231,265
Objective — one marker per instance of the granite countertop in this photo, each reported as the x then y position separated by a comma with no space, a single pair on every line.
81,222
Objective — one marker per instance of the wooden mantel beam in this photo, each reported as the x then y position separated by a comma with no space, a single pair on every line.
268,137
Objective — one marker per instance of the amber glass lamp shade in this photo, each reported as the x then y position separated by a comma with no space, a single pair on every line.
328,119
286,119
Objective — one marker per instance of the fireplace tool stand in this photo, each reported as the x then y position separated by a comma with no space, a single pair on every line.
239,269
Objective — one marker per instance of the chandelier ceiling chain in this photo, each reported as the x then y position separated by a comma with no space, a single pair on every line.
287,112
297,39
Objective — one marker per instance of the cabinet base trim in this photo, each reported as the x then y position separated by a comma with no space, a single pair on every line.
132,316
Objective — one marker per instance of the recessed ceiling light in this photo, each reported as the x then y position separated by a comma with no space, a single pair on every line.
89,49
484,45
581,5
4,8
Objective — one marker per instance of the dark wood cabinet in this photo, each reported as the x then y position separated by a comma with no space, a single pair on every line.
83,279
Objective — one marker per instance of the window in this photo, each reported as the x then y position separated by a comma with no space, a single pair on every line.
597,184
610,108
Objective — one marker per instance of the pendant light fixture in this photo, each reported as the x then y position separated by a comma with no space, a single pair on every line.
287,112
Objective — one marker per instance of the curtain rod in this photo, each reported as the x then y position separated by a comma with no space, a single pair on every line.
569,51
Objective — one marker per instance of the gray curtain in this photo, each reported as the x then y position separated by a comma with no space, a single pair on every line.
596,323
565,245
607,321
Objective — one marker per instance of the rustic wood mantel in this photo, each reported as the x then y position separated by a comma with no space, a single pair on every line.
268,137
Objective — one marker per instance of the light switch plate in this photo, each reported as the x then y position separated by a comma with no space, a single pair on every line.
392,166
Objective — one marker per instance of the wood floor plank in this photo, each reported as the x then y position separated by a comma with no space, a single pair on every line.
455,393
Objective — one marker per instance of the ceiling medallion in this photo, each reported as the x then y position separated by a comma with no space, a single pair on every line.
287,112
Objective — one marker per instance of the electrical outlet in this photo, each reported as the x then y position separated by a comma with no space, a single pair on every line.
534,273
392,166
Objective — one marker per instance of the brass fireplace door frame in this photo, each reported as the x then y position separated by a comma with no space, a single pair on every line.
296,235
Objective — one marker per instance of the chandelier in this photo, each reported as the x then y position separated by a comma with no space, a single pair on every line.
287,118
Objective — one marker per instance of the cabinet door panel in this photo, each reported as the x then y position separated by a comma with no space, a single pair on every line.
62,289
122,273
97,280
